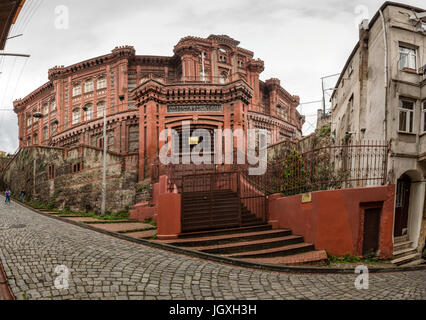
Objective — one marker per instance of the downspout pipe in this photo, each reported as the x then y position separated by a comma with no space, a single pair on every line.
386,82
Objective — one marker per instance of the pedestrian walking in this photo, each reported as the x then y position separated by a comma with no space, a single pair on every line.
23,195
8,193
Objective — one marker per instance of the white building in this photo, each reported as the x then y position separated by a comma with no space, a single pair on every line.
381,95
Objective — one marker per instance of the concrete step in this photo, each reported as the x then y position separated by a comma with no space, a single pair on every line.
275,252
406,259
228,238
251,245
225,231
402,245
404,252
401,239
413,263
317,258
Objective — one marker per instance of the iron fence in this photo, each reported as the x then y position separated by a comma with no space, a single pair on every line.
353,165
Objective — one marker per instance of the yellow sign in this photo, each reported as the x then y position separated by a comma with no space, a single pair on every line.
193,141
307,197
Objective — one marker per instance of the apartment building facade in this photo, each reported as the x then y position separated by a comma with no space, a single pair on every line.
381,96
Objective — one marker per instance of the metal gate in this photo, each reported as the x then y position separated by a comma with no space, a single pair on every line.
220,200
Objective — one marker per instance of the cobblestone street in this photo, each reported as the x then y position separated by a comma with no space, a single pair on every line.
103,267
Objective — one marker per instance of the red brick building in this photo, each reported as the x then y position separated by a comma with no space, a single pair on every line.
213,83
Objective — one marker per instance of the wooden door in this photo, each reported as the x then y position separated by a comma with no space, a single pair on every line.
402,205
371,231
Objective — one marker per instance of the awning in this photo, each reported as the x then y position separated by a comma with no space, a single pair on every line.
9,11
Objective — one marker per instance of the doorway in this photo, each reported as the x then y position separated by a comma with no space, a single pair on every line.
402,205
370,244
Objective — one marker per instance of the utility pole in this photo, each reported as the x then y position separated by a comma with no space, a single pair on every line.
104,169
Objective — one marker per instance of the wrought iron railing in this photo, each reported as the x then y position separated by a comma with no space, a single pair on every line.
354,165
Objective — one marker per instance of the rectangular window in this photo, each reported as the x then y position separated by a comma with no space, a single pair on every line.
424,116
88,86
76,90
407,58
46,109
406,116
101,83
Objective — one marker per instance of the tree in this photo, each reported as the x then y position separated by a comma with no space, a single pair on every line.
294,175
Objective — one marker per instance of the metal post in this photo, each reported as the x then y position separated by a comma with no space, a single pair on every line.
104,169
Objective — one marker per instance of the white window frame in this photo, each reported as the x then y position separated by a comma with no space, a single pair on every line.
88,86
45,109
89,112
103,104
45,133
76,115
101,83
408,114
411,58
76,90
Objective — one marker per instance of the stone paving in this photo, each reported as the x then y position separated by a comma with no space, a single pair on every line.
103,267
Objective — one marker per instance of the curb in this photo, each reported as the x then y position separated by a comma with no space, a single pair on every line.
224,260
5,291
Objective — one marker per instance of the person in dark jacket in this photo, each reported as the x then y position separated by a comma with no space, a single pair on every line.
23,195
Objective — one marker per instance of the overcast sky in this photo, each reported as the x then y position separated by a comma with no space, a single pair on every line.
299,40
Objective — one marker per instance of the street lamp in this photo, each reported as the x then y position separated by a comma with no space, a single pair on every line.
85,108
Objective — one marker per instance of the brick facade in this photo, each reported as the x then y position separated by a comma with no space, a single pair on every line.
138,92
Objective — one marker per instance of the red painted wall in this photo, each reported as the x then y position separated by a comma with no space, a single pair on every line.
334,220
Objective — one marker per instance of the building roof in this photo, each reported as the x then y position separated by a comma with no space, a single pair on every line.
370,25
9,11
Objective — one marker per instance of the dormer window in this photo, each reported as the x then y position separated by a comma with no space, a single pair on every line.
88,86
76,90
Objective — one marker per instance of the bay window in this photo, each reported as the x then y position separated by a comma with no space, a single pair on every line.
406,116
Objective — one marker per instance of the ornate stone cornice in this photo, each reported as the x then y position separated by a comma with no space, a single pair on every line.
192,93
20,104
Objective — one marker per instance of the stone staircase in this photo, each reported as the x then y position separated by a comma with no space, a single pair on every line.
255,243
404,254
203,211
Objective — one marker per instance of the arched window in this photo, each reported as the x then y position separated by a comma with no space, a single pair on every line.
101,109
101,83
89,111
53,128
88,86
45,133
76,90
223,77
76,116
46,109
